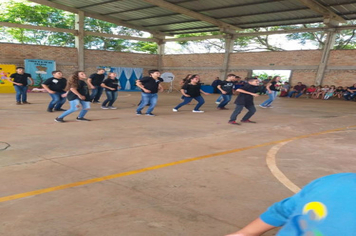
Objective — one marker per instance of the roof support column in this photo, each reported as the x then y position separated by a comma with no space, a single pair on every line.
161,46
79,38
329,43
229,47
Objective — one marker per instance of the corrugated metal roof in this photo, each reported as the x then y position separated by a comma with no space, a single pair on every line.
191,16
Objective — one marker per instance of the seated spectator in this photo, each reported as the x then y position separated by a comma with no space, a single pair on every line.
330,92
285,89
310,91
350,93
322,92
339,92
298,89
317,91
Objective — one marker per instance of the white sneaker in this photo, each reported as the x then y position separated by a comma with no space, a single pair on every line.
113,108
105,108
195,111
262,106
217,103
175,110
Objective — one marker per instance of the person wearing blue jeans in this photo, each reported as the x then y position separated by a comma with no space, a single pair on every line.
350,93
245,99
191,90
150,86
111,86
272,90
55,87
20,82
78,95
94,82
226,88
298,89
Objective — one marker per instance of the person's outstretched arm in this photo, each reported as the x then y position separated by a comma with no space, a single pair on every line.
255,228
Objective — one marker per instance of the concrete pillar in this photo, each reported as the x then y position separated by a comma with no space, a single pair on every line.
229,47
329,43
79,39
161,47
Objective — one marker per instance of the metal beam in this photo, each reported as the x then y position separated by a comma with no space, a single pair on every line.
337,29
34,27
321,9
93,15
75,32
120,36
175,8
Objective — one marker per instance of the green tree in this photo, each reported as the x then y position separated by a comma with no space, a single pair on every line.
37,15
344,39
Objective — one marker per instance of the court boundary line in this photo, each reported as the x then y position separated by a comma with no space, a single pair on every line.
118,175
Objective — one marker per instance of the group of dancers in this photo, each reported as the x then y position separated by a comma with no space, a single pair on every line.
76,91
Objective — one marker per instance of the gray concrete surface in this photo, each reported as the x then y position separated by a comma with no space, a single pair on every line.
212,196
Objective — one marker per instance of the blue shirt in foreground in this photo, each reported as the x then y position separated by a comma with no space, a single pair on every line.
324,207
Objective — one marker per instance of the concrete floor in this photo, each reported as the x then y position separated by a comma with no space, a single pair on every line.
215,194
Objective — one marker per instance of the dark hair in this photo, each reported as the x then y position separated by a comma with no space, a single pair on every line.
250,79
274,78
229,75
186,78
100,69
55,71
19,67
152,71
73,80
190,78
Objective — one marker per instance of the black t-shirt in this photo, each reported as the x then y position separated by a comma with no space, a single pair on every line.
82,89
273,86
112,83
227,86
352,88
192,90
57,85
150,84
246,99
96,79
18,78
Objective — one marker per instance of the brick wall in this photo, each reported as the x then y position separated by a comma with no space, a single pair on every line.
304,64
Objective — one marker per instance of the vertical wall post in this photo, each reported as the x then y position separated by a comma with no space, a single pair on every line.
329,43
161,46
229,47
79,39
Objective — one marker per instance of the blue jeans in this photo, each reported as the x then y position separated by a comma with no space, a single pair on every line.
290,94
219,98
57,101
226,99
148,98
187,100
271,97
349,96
96,93
21,93
251,110
111,97
74,106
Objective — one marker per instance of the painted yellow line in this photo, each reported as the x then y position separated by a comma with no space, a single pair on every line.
100,179
276,172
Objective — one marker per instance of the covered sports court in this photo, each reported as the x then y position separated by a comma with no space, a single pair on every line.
176,173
